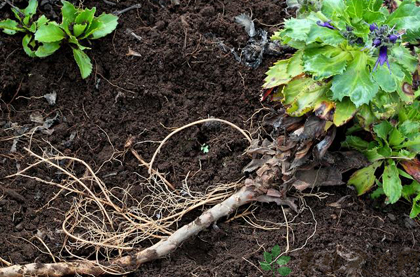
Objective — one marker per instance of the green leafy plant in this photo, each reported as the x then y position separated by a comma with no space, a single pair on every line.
393,148
25,23
44,37
351,59
271,258
204,148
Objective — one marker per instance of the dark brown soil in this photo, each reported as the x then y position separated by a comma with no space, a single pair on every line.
181,76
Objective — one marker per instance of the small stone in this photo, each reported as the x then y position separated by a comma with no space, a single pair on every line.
392,217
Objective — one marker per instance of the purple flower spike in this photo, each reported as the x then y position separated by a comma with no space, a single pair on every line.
376,42
326,24
383,58
393,38
373,27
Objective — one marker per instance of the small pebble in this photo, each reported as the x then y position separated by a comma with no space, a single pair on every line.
392,217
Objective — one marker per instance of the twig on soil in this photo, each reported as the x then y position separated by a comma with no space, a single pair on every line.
192,124
136,6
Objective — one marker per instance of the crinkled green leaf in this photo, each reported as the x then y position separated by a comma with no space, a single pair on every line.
391,183
356,8
297,29
109,24
283,260
377,193
94,26
355,82
85,16
78,29
364,179
409,127
406,16
324,36
47,49
83,62
344,111
403,57
309,93
385,104
283,71
10,27
388,80
374,17
49,33
325,61
375,5
30,10
366,117
374,154
383,129
333,8
27,39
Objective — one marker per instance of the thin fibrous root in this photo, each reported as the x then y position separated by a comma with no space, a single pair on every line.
166,246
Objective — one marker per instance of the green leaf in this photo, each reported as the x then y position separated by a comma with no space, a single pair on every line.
383,129
366,117
283,71
85,17
27,39
284,271
324,35
374,17
375,5
78,29
364,178
355,8
387,80
355,82
392,183
265,266
283,260
410,190
41,21
377,193
109,24
69,13
377,153
325,62
356,143
415,209
409,127
49,33
308,93
405,175
275,251
403,57
30,10
333,8
297,29
395,138
344,111
10,27
47,49
268,257
406,16
83,61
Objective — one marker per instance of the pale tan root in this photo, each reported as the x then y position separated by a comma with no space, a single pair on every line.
246,195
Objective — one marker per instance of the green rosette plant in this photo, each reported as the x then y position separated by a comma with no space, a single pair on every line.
392,155
44,37
351,60
77,25
25,23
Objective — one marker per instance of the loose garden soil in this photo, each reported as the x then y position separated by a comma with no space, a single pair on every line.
180,75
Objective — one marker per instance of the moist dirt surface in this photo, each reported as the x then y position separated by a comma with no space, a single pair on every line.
179,74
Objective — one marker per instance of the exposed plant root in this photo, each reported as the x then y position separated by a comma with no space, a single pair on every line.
246,195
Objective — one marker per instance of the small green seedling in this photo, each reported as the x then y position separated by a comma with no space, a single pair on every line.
26,24
204,148
271,258
44,37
